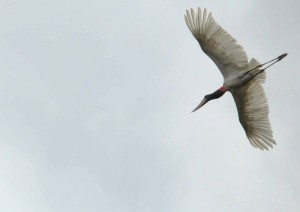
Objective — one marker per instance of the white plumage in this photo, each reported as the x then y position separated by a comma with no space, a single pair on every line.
242,78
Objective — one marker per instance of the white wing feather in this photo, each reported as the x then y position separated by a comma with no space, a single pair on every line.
253,113
252,106
221,47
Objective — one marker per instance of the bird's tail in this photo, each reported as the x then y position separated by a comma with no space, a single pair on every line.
260,78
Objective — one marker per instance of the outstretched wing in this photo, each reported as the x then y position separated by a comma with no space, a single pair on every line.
221,47
253,112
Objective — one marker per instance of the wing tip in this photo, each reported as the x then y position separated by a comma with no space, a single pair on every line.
261,142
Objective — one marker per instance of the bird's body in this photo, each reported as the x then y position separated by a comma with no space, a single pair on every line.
242,78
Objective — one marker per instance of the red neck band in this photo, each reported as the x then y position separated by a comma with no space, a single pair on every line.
223,89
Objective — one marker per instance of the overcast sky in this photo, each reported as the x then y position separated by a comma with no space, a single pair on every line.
96,101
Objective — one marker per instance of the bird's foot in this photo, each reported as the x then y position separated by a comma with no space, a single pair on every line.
282,56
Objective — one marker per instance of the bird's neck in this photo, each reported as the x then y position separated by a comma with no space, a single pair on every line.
223,89
217,94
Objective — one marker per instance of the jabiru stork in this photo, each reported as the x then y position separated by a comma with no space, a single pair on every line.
242,79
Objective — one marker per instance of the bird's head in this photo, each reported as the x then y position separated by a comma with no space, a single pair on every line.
217,94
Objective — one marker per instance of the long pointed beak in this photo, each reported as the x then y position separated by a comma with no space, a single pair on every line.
203,102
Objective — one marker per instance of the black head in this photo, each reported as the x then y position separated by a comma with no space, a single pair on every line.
215,95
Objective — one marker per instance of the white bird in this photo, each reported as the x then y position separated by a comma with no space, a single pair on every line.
242,78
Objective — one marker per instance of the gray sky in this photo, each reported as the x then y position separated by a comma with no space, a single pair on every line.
96,101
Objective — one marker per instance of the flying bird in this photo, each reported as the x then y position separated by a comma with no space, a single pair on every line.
242,79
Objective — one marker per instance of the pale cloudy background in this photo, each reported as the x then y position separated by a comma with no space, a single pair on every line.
95,109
